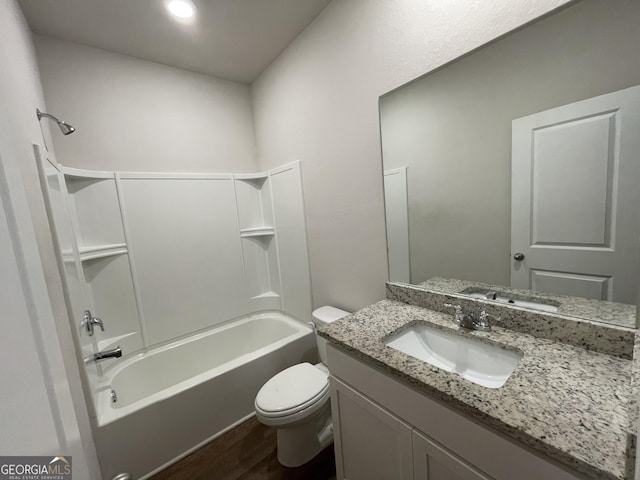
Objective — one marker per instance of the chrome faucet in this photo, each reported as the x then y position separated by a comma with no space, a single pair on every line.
465,320
89,322
96,357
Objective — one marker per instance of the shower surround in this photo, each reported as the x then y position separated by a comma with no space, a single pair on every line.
200,278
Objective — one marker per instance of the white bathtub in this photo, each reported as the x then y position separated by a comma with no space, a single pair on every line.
173,399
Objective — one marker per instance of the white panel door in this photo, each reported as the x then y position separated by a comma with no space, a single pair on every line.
575,198
370,443
397,215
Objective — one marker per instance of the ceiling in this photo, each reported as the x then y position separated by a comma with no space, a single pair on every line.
231,39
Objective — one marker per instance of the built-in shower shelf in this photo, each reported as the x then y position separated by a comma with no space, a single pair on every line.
257,232
267,295
102,251
266,301
258,177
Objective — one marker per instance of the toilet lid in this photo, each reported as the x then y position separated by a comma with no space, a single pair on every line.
293,388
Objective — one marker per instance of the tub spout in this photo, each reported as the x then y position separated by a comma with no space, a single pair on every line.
96,357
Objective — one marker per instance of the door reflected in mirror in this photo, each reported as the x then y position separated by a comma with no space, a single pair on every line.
517,165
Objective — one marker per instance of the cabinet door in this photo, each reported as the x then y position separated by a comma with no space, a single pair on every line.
370,443
434,462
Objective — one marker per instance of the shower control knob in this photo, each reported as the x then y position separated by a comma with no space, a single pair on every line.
518,257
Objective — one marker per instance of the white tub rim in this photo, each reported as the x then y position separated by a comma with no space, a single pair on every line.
105,413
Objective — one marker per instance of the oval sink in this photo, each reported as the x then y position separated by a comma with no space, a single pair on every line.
479,362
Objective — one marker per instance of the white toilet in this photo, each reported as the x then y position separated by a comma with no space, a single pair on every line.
296,403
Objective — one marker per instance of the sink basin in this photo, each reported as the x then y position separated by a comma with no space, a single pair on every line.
478,362
510,300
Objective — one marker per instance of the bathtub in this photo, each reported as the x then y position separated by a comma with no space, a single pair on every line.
173,399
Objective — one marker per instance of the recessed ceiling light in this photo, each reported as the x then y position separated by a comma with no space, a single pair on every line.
181,8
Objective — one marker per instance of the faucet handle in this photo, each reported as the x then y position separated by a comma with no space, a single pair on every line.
459,317
456,306
97,321
484,314
89,321
486,319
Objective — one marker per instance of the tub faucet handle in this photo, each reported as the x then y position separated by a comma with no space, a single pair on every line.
89,322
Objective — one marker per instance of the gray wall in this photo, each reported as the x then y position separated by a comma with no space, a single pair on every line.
452,129
318,102
134,115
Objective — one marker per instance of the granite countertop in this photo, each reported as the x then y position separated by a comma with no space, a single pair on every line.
596,310
564,401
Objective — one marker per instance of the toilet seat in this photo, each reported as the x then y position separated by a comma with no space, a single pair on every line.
293,390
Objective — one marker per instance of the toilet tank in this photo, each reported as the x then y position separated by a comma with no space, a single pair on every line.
323,316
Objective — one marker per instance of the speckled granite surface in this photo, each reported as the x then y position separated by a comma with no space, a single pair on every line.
595,336
634,407
566,402
583,308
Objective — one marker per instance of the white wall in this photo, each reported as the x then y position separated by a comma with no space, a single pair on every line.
53,364
318,102
135,115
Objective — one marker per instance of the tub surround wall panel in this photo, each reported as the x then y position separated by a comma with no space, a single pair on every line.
259,244
56,200
110,292
183,236
94,202
160,256
288,205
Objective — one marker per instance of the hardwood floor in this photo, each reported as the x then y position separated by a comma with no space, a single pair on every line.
248,452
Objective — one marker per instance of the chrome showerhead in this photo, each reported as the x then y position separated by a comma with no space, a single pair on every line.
65,128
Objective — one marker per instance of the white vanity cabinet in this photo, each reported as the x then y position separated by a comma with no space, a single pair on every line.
370,442
386,430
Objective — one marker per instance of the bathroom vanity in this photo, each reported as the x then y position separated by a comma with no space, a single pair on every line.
564,412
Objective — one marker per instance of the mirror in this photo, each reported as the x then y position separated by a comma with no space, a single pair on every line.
517,165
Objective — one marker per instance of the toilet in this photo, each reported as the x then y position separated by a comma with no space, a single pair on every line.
296,402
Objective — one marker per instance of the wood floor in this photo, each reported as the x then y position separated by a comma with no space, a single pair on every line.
247,452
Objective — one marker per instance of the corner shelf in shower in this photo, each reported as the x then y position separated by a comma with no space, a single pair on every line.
101,254
96,251
102,251
258,240
266,301
257,232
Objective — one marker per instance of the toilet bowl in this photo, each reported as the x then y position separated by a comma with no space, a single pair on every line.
296,403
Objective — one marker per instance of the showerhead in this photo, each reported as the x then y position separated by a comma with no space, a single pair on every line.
65,128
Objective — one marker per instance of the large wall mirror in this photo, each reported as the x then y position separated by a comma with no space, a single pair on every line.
519,164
